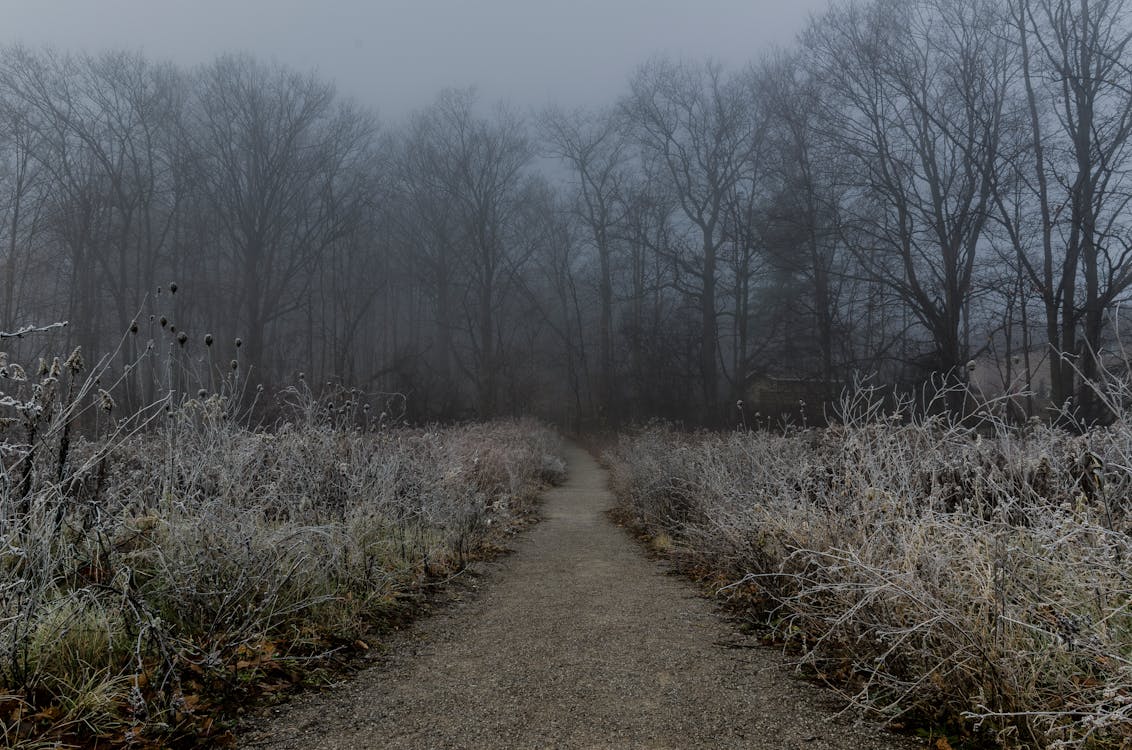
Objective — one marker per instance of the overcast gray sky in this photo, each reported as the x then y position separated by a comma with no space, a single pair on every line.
395,55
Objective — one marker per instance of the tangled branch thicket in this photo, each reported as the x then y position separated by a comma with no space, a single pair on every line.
179,558
976,577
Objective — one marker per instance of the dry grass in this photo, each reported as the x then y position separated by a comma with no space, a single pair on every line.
971,576
179,558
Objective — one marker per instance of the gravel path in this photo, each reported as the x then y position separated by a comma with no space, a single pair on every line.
576,641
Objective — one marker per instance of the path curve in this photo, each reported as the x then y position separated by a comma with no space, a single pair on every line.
576,641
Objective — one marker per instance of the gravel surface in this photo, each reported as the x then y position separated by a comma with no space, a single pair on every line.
575,641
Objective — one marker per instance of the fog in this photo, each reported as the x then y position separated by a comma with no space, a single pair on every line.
708,212
396,55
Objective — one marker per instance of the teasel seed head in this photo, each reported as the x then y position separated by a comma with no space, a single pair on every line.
75,362
105,401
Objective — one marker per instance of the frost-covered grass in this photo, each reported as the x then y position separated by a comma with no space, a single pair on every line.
180,559
941,574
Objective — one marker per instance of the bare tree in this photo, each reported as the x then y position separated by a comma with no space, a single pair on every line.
804,215
274,148
594,147
699,125
23,182
1063,199
78,209
479,165
914,95
429,235
649,238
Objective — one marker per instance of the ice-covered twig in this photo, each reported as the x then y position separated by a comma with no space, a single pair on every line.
29,329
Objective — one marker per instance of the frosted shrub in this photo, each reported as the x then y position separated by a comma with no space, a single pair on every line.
180,559
972,575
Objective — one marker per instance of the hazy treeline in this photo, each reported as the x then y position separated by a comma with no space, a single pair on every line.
912,185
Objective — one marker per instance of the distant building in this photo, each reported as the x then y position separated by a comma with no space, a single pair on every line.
791,399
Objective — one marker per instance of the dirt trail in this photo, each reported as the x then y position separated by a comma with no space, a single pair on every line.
576,641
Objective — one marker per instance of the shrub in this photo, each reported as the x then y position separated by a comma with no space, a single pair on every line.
179,557
949,572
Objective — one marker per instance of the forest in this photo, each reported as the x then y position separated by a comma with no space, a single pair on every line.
912,190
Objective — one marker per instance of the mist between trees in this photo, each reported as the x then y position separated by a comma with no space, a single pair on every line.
912,186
